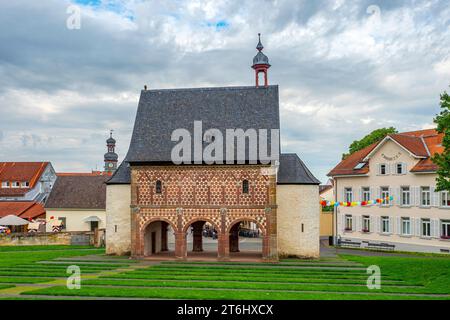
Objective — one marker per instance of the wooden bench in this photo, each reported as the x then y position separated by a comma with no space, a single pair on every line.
353,244
381,246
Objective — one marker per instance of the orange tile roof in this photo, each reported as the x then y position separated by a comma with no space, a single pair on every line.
22,209
421,143
20,172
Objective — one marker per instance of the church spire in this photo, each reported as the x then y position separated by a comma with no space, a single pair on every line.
260,63
111,156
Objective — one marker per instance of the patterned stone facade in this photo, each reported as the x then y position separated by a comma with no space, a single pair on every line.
203,193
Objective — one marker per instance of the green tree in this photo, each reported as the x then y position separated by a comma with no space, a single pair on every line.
443,160
374,136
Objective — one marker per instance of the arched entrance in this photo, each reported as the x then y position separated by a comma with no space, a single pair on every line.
247,239
159,239
201,238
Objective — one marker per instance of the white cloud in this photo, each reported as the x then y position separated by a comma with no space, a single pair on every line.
342,72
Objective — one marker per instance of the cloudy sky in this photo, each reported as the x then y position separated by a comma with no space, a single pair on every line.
344,68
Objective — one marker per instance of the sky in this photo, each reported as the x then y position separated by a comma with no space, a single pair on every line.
344,68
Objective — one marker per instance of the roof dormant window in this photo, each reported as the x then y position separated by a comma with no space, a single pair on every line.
5,184
25,184
359,165
15,184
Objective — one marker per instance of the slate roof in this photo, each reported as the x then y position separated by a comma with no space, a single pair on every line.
78,192
292,170
22,209
421,143
160,112
20,172
122,175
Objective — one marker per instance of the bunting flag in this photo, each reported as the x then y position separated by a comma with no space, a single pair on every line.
325,203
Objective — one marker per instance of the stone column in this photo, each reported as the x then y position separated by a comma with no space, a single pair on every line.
234,238
180,245
164,226
223,238
180,237
197,236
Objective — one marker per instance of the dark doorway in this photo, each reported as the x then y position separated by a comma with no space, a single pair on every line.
94,225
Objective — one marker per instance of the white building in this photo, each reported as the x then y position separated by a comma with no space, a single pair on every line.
26,181
400,166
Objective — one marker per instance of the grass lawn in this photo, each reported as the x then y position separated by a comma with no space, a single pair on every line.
342,278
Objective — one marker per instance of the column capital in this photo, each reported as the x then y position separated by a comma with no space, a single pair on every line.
179,211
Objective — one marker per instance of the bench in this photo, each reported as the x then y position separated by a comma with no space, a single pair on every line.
381,246
346,243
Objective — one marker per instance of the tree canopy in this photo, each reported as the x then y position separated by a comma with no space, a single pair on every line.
374,136
443,160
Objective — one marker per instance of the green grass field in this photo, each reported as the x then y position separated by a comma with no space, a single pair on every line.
40,273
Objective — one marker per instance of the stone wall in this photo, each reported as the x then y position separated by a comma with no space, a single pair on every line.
298,220
40,239
118,219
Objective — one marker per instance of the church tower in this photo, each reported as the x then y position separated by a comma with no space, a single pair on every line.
111,156
260,63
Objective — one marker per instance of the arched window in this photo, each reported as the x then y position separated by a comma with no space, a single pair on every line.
245,188
158,186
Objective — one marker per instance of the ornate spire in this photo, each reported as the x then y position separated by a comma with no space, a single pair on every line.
260,63
111,156
259,47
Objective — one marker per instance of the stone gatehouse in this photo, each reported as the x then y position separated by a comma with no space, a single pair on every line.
152,201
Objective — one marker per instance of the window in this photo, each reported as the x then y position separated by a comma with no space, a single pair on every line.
63,223
348,195
425,228
359,165
383,169
385,195
400,168
5,184
365,194
406,226
405,195
385,227
15,184
445,228
425,195
366,224
445,199
158,186
348,223
245,188
25,184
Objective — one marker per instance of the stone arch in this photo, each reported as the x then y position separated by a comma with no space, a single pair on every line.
190,222
231,238
260,226
156,219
